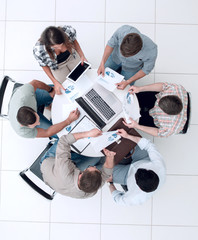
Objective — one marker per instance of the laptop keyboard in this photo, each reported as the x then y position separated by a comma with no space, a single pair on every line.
100,104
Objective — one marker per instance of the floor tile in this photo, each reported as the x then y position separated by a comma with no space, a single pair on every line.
113,213
71,210
180,152
2,40
20,153
94,37
93,10
146,29
118,232
174,232
31,10
19,202
180,11
176,54
74,231
189,83
24,230
177,202
22,60
28,76
130,11
2,9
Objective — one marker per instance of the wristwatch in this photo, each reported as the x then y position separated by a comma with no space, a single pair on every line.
51,89
110,183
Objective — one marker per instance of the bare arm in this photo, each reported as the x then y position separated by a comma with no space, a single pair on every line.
156,87
107,52
92,133
38,84
57,85
79,51
52,130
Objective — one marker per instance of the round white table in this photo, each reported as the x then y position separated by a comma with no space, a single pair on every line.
61,106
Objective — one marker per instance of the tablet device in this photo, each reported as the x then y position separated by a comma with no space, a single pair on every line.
78,71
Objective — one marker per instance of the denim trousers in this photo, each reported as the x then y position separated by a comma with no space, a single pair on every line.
43,99
120,171
81,162
111,64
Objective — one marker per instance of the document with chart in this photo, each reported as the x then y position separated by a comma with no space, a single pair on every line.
110,78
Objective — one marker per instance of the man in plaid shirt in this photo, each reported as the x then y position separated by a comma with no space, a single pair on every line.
169,111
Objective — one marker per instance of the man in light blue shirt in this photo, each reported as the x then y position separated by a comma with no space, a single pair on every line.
143,177
131,51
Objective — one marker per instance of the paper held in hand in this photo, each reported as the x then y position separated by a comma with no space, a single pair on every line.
110,78
104,140
129,108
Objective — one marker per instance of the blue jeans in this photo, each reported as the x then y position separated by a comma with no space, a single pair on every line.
111,64
120,171
81,162
43,99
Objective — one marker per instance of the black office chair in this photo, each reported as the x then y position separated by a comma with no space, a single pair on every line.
185,129
8,85
33,177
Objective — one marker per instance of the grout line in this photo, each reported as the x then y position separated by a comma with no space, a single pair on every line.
105,224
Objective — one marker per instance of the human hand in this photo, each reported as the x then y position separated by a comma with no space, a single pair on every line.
82,59
121,85
134,89
74,115
101,69
133,123
94,133
122,133
57,87
108,153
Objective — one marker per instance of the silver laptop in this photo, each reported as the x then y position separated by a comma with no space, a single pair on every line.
100,104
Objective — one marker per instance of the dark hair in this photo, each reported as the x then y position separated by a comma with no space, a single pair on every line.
26,116
131,44
147,180
90,181
52,36
171,104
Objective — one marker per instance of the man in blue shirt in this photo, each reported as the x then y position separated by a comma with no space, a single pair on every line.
131,51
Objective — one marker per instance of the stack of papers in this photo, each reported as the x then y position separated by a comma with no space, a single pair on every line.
109,80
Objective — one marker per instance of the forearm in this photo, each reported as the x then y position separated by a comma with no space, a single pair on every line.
78,48
52,130
156,87
41,85
48,71
80,135
150,130
134,138
107,52
138,75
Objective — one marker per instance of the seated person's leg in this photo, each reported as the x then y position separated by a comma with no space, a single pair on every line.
146,102
120,173
43,98
82,162
50,153
111,64
139,155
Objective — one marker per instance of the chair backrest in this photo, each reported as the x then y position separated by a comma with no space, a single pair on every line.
34,178
6,90
185,129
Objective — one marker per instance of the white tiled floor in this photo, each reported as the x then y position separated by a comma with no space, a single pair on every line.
173,211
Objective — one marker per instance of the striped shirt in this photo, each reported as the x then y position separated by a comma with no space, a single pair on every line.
43,57
170,124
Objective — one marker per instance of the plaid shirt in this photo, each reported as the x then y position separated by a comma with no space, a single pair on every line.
43,57
170,124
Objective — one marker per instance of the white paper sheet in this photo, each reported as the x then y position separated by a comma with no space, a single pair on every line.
104,140
129,108
109,80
